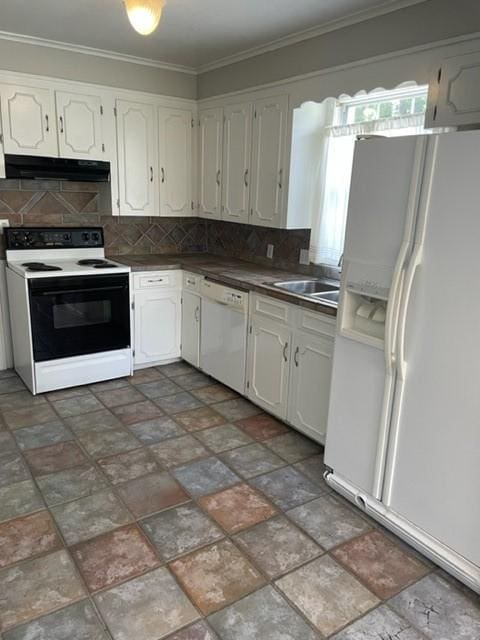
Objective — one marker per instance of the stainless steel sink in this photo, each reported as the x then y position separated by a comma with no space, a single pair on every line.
331,296
306,287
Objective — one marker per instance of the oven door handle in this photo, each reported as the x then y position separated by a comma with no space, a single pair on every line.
59,292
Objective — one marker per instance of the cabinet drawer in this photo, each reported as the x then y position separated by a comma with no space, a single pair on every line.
157,279
317,323
267,307
191,281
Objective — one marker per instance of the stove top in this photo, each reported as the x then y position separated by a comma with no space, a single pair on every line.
40,266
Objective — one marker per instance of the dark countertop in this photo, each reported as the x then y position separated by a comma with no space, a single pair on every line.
247,276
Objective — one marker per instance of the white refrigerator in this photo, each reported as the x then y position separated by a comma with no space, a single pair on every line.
403,438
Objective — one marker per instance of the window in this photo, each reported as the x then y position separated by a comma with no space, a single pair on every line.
387,113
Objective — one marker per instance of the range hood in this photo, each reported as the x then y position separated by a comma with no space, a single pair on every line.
40,168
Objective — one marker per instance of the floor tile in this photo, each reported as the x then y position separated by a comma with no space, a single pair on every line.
327,594
194,380
216,576
314,469
223,438
252,460
29,416
119,397
179,530
201,418
64,394
90,516
42,435
238,507
176,369
127,466
205,476
263,615
156,430
110,385
152,493
18,499
71,484
20,400
277,546
107,443
146,608
37,587
177,451
12,470
286,487
158,388
439,610
55,457
214,393
96,421
77,405
293,447
198,631
26,537
378,624
178,402
238,409
9,385
114,557
8,445
328,521
381,564
145,375
137,412
262,427
77,622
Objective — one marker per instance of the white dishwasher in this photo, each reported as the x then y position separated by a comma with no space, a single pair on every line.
223,344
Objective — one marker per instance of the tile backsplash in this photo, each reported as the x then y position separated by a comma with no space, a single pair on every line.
56,203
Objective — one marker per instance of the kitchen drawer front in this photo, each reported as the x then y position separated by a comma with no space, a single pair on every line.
266,307
318,323
157,280
191,281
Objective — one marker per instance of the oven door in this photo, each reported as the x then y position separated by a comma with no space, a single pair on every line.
72,316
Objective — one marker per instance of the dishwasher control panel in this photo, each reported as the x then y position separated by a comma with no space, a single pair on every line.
225,295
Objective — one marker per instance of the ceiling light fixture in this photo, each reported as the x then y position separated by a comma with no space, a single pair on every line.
144,15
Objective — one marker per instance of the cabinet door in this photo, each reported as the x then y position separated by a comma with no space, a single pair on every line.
310,384
454,95
79,125
191,311
175,148
28,116
237,137
136,158
210,153
269,346
268,159
157,326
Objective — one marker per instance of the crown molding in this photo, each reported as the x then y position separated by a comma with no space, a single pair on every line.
307,34
91,51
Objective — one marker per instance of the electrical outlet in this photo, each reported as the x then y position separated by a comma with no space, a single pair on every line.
270,251
304,256
4,223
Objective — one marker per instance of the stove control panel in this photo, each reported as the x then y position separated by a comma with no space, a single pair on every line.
53,237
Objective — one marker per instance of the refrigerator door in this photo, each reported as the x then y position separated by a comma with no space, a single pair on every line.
433,469
384,195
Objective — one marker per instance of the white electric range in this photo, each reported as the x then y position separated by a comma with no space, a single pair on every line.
69,308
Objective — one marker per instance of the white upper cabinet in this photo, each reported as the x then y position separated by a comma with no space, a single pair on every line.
28,116
210,160
175,161
454,94
268,161
79,126
237,137
137,159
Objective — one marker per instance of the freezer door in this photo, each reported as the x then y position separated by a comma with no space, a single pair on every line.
433,470
381,216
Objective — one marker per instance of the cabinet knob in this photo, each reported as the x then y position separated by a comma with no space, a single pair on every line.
47,123
295,357
245,177
151,174
61,124
163,175
285,347
218,178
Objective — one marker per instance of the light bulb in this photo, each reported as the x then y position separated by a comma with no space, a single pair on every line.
144,15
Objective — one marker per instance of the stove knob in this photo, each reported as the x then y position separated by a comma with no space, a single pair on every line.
96,237
86,236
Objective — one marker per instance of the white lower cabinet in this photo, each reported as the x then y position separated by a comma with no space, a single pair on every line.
157,318
290,352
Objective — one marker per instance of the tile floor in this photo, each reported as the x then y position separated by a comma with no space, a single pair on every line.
165,506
